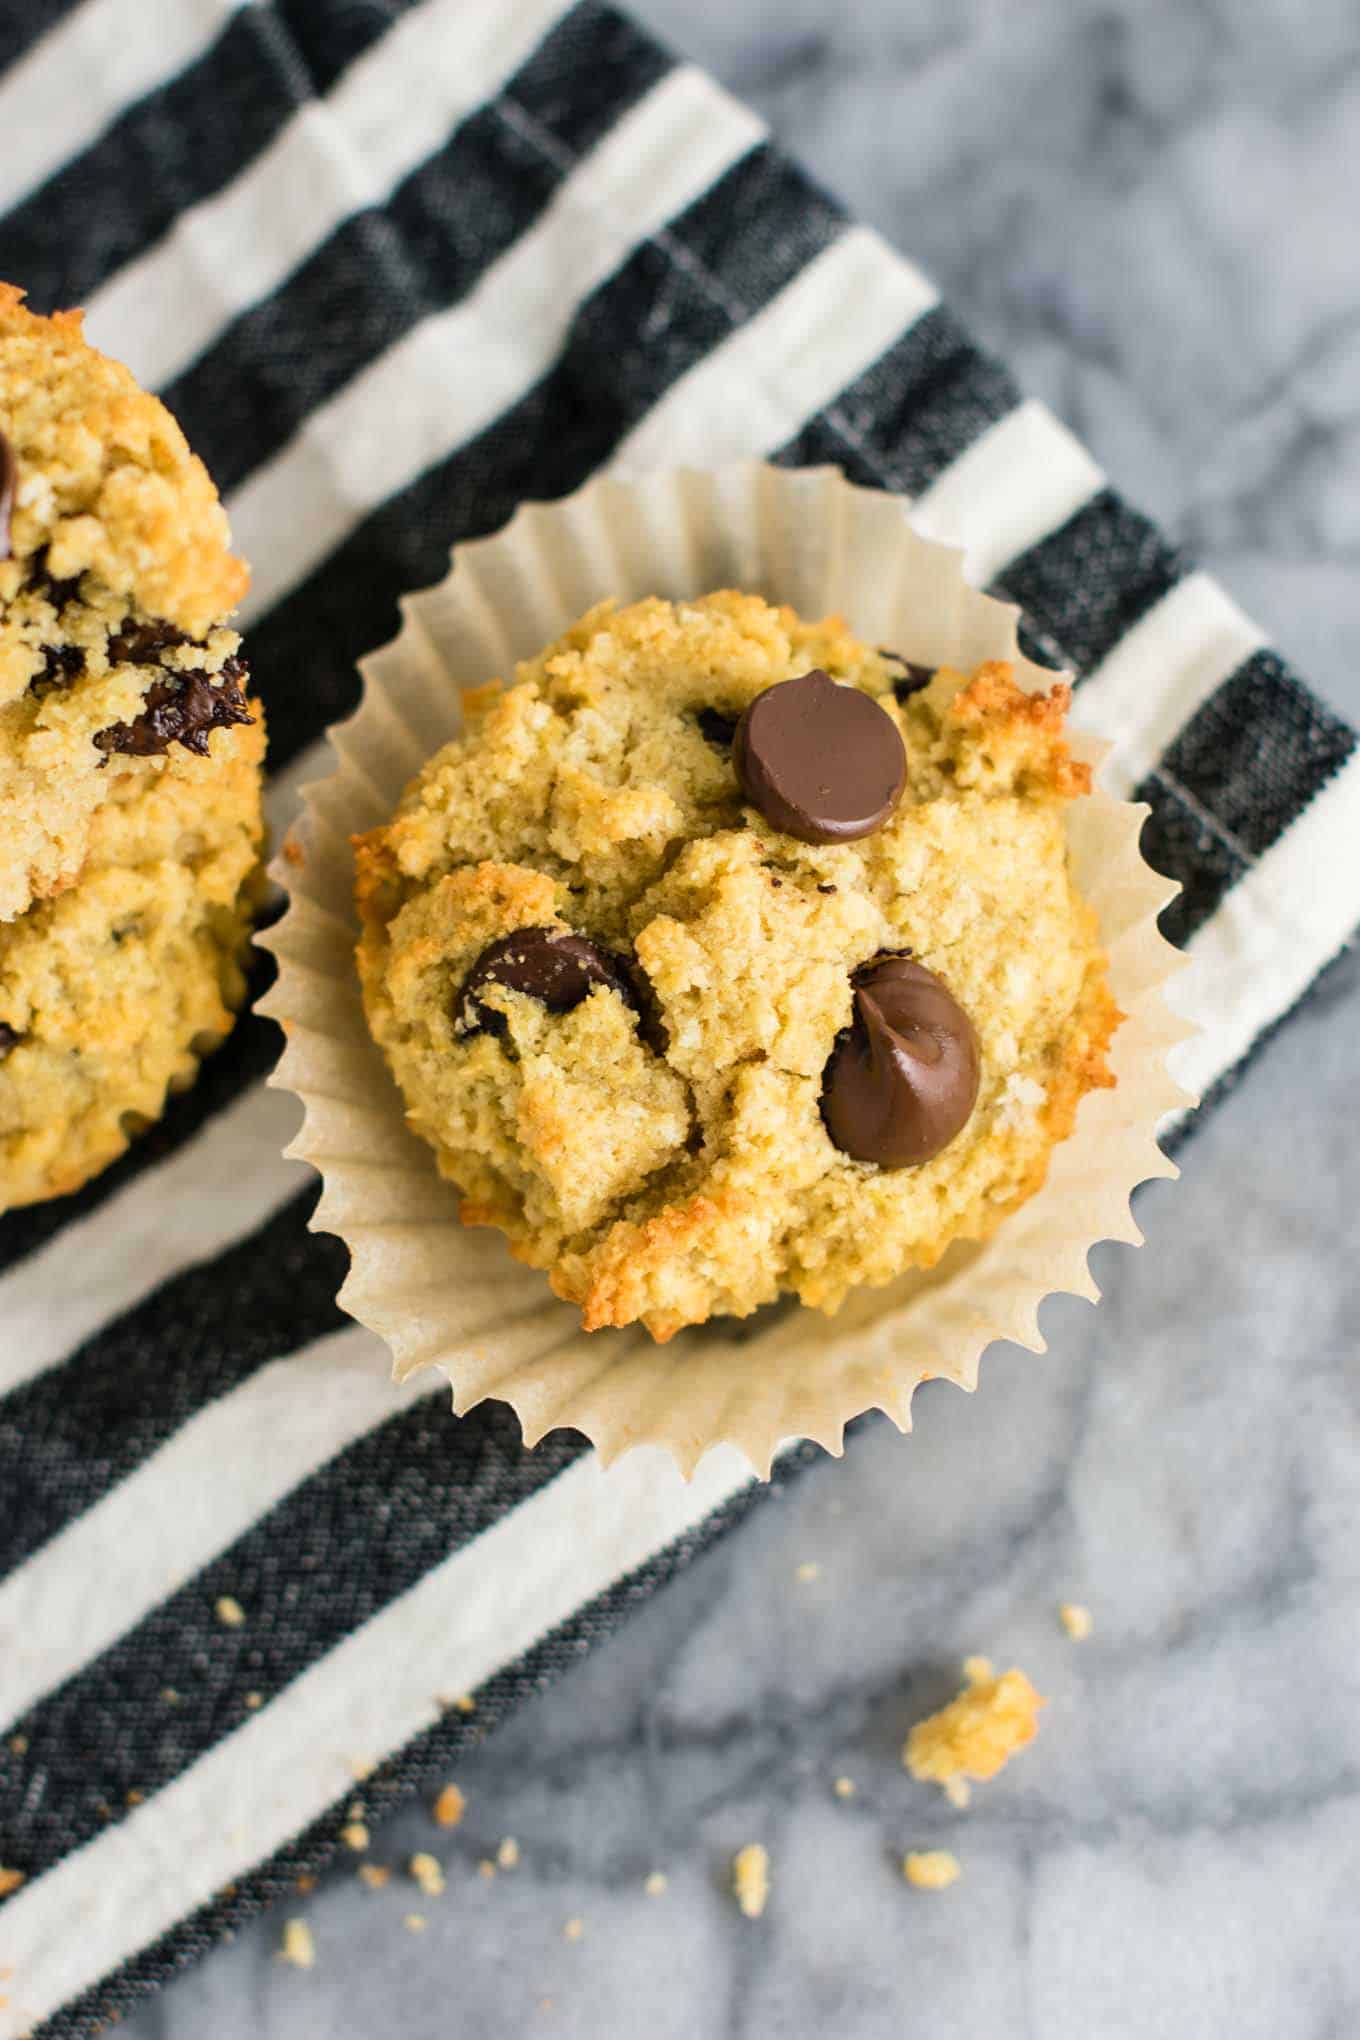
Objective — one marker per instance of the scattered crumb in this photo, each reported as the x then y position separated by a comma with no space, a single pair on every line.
297,1945
170,1696
978,1731
507,1855
1076,1620
374,1875
930,1869
428,1872
254,1700
486,1868
229,1611
357,1810
751,1879
10,1880
304,1883
450,1807
545,2004
573,1930
654,1883
844,1788
465,1704
958,1792
354,1835
415,1923
293,851
360,1768
135,1795
808,1570
18,1745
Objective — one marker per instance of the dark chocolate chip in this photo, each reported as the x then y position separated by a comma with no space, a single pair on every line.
546,964
717,727
44,582
62,665
914,677
181,709
902,1079
821,762
141,643
9,476
10,1037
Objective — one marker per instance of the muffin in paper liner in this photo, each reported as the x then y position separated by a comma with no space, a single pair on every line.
445,1296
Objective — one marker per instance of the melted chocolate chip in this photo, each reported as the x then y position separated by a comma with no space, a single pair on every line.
821,762
717,727
10,1037
555,968
9,475
181,709
62,664
141,643
914,677
43,582
902,1079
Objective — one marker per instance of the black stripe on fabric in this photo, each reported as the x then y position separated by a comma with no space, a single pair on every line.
383,271
248,1053
1257,752
1182,840
24,23
76,1430
545,445
1088,582
912,412
182,143
421,1764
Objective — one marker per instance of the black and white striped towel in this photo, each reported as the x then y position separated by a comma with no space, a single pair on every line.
396,267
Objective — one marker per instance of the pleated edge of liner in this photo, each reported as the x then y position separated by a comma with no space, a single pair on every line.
1077,1280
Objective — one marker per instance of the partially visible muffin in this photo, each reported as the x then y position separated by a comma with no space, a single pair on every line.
707,979
116,586
130,759
111,992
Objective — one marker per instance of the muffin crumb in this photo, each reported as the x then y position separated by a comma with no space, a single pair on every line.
751,1879
229,1611
807,1571
415,1923
10,1880
450,1807
428,1873
844,1788
507,1855
931,1869
573,1929
1076,1620
354,1835
978,1731
655,1883
297,1946
374,1875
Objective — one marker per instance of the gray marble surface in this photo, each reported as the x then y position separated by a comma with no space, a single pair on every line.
1148,205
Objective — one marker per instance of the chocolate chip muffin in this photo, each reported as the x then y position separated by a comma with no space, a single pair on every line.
116,582
724,956
129,758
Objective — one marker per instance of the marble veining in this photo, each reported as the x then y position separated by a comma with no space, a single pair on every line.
1149,208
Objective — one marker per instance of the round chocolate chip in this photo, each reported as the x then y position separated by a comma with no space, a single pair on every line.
821,762
10,1037
9,475
716,728
913,677
903,1077
545,964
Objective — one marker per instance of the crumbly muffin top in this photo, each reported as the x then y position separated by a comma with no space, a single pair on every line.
660,1144
116,583
105,483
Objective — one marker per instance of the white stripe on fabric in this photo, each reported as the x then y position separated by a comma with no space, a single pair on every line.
457,371
233,1460
1020,481
218,1187
482,1608
393,107
1282,921
62,94
787,363
1163,669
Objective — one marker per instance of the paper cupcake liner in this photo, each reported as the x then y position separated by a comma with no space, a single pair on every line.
447,1297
